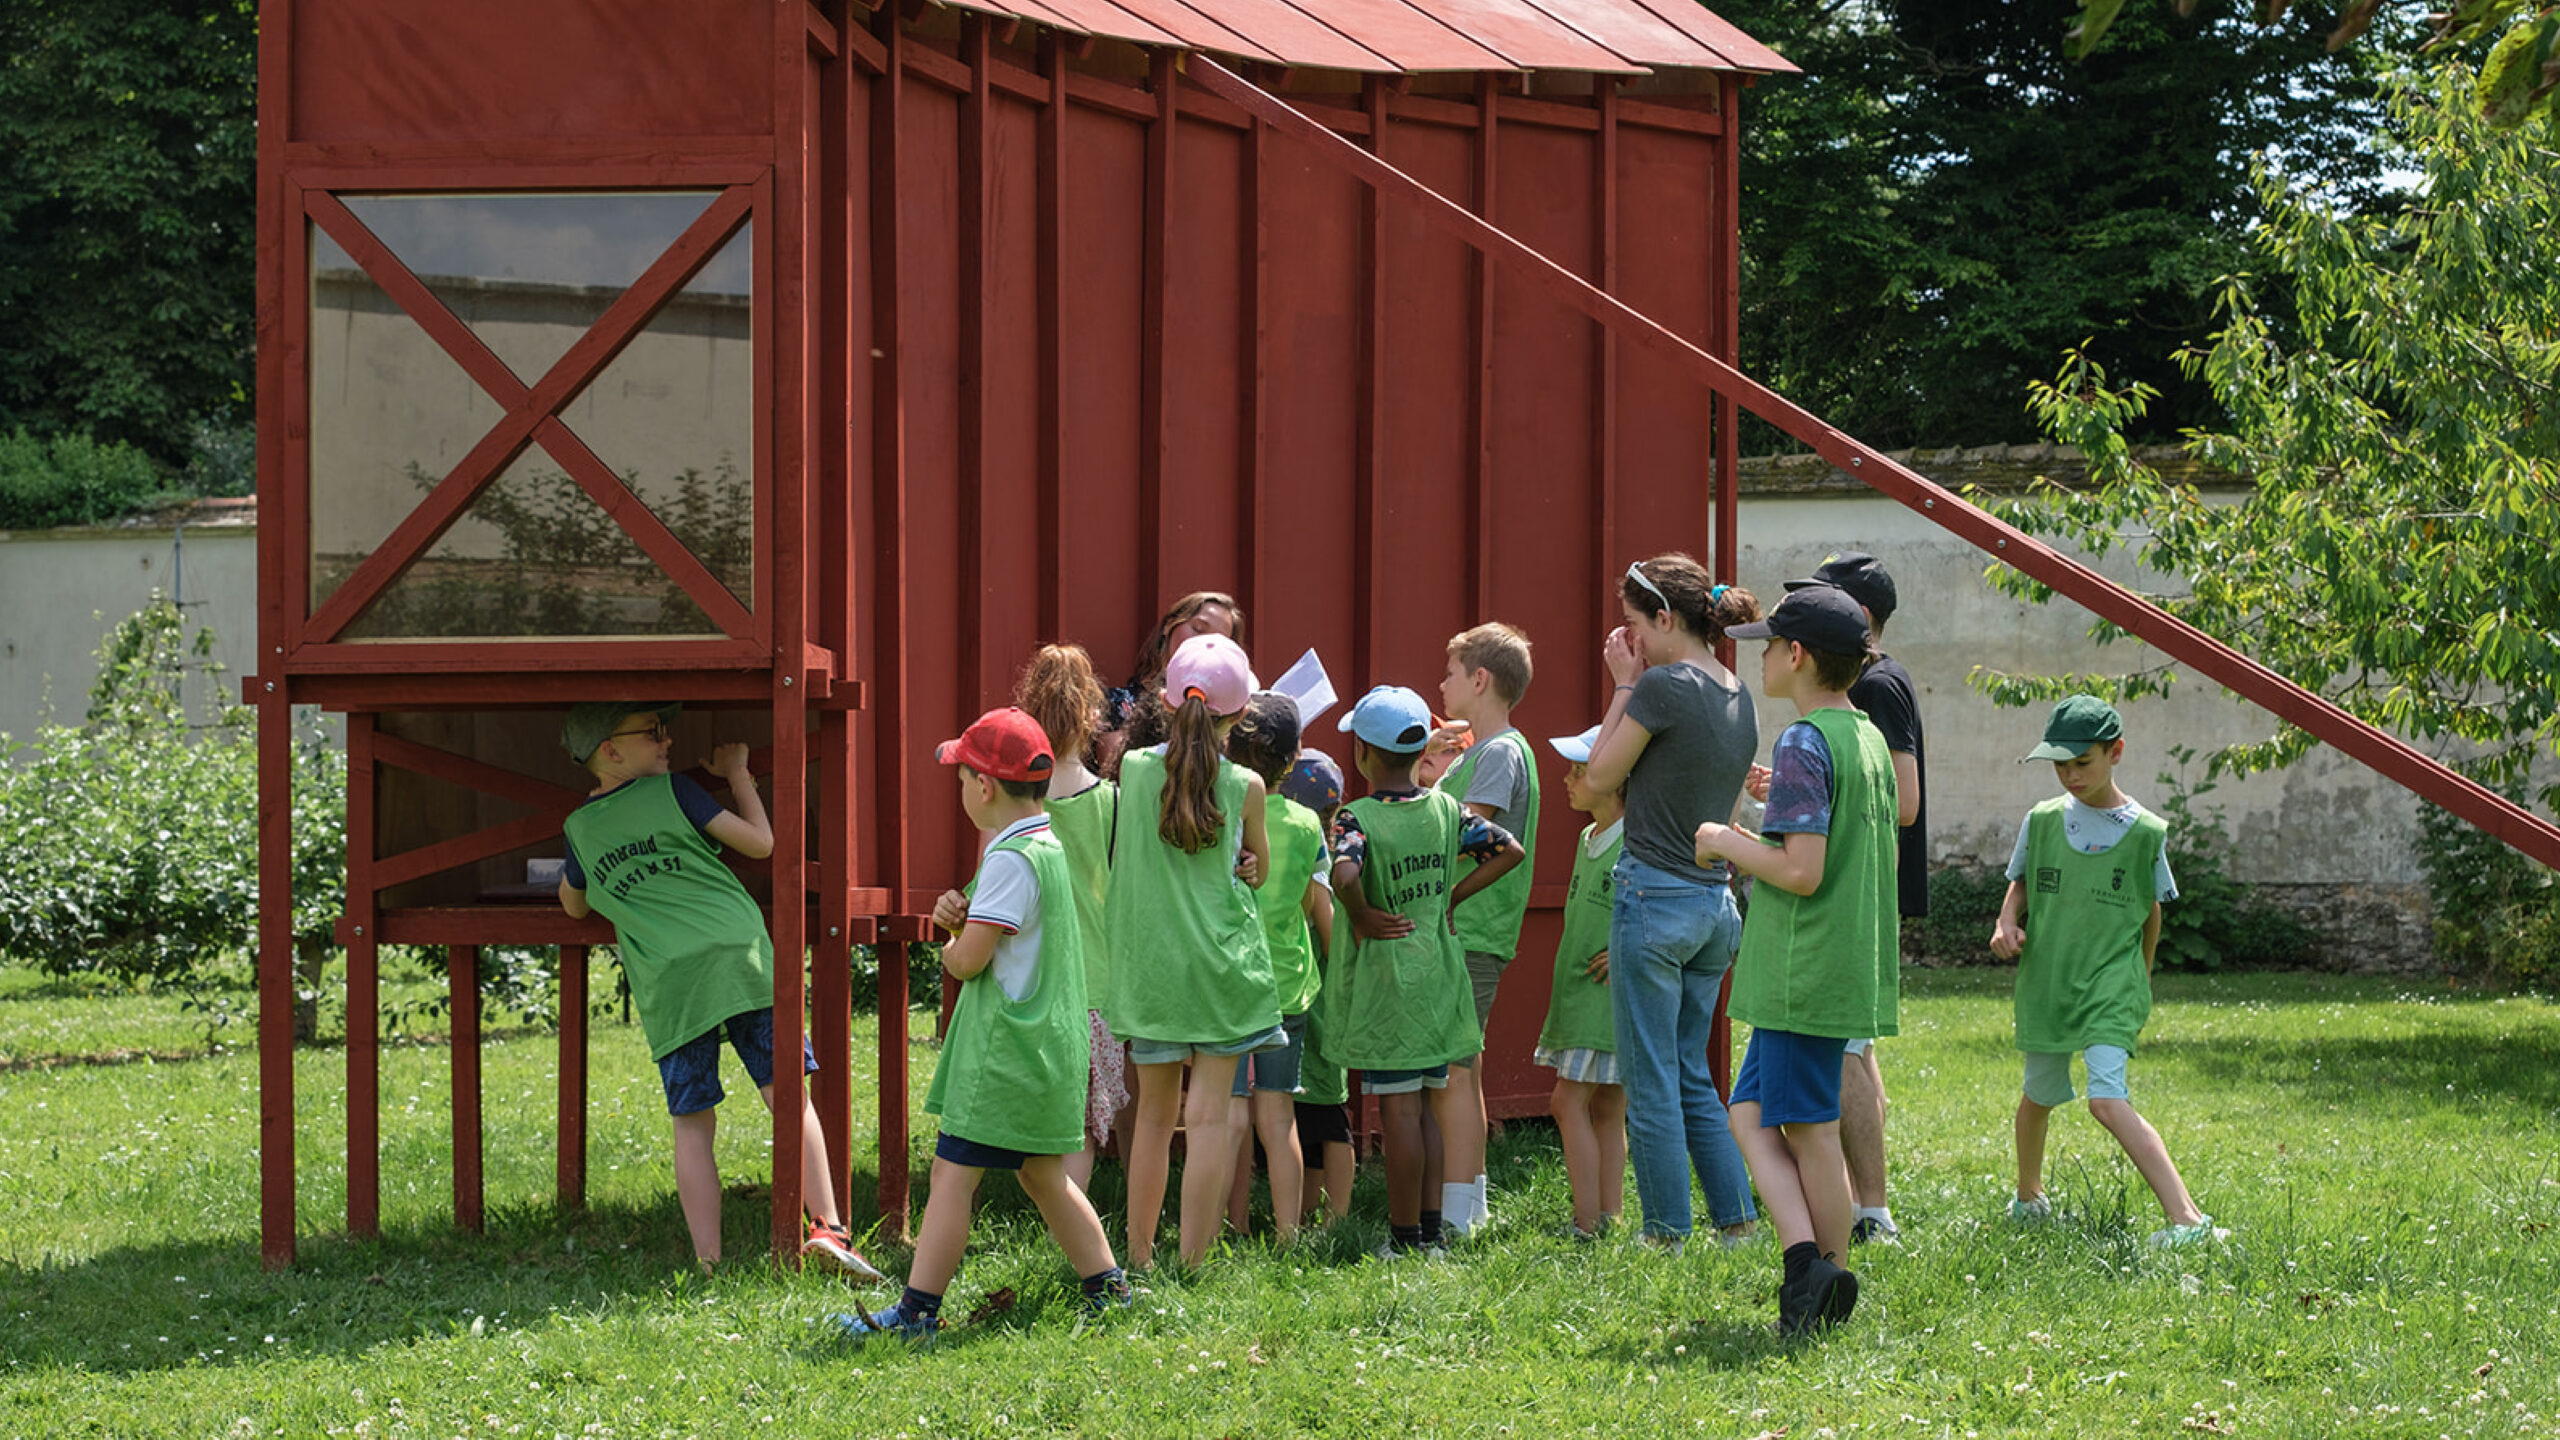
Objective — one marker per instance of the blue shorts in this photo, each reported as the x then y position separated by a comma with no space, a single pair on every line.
1174,1052
1275,1070
2049,1076
1794,1079
1404,1082
960,1151
691,1071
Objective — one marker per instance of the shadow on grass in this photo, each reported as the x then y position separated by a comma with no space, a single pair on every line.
2389,1075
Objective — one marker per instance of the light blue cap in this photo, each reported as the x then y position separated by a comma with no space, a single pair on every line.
1391,718
1577,748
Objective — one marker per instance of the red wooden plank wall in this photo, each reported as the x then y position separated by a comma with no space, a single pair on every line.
1265,383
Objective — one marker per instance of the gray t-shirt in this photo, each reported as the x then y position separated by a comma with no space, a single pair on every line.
1499,782
1705,732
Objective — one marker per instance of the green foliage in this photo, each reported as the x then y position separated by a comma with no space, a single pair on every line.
222,459
127,216
2216,921
2497,914
72,480
1964,902
2398,548
1940,202
127,844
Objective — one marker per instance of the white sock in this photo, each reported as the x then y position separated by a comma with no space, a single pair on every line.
1482,1201
1454,1211
1875,1212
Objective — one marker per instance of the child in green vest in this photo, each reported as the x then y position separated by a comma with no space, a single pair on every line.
1324,1090
1190,973
1010,1085
1292,904
644,852
1820,959
2100,868
1060,690
1497,778
1397,1003
1579,1041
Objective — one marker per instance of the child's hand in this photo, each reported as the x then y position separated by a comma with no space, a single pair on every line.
2008,937
951,912
1598,970
1618,652
730,761
1713,840
1755,783
1371,924
1249,868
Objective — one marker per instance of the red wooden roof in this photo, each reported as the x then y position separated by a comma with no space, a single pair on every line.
1622,36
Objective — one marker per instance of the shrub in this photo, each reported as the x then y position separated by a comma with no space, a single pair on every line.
1964,900
2216,921
2497,914
72,480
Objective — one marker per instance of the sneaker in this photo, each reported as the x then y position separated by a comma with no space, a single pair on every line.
1118,1295
2030,1212
893,1320
1875,1230
1666,1246
2183,1237
1388,1249
1734,1239
831,1249
1823,1298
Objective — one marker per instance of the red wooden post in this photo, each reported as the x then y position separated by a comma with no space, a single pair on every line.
894,1140
570,1181
364,985
462,986
275,975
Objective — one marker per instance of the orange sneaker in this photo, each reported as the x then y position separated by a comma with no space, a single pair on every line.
831,1248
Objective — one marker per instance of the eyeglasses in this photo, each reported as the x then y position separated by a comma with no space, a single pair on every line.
1635,572
656,730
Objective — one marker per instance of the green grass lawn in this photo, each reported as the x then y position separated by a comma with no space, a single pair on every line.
2388,1158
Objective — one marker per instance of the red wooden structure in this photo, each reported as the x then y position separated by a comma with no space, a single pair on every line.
812,364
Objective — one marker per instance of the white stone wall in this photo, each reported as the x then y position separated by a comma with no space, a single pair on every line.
60,591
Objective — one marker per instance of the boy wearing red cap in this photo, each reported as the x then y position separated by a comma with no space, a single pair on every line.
644,852
1011,1085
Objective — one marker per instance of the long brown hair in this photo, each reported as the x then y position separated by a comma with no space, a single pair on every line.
1059,689
1700,606
1159,646
1190,820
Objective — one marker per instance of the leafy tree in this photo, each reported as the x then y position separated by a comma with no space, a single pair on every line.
2398,549
1941,202
127,216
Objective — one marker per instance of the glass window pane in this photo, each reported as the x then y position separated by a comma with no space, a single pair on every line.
673,416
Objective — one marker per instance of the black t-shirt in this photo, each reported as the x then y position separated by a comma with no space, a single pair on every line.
1886,695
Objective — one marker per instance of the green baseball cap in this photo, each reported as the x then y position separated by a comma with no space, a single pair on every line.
2076,724
592,722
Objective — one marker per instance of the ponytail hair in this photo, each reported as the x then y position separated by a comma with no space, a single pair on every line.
1190,821
1698,604
1059,689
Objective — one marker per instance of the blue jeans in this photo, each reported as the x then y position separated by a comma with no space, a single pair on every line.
1670,942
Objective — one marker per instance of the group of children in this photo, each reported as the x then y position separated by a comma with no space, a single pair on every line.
1223,919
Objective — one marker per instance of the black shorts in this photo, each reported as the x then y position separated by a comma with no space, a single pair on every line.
1322,1125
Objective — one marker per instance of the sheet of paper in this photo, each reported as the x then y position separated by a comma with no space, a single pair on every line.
1306,683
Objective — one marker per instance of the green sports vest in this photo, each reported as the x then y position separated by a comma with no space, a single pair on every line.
1321,1078
1297,849
1403,1004
1579,1016
1188,962
1082,824
1013,1071
693,941
1829,963
2081,981
1489,924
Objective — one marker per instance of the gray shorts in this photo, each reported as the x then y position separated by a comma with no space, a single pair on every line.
1484,975
1174,1052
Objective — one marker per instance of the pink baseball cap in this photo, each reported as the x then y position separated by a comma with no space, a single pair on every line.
1216,667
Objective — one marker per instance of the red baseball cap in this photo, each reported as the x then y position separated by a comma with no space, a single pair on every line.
1006,744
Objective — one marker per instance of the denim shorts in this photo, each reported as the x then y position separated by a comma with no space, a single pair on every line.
1174,1052
1795,1079
691,1071
1404,1082
2049,1076
1275,1071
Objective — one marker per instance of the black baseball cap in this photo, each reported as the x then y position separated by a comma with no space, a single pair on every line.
1859,573
1818,617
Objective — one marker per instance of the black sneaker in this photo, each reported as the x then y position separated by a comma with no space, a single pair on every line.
1822,1299
1876,1230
